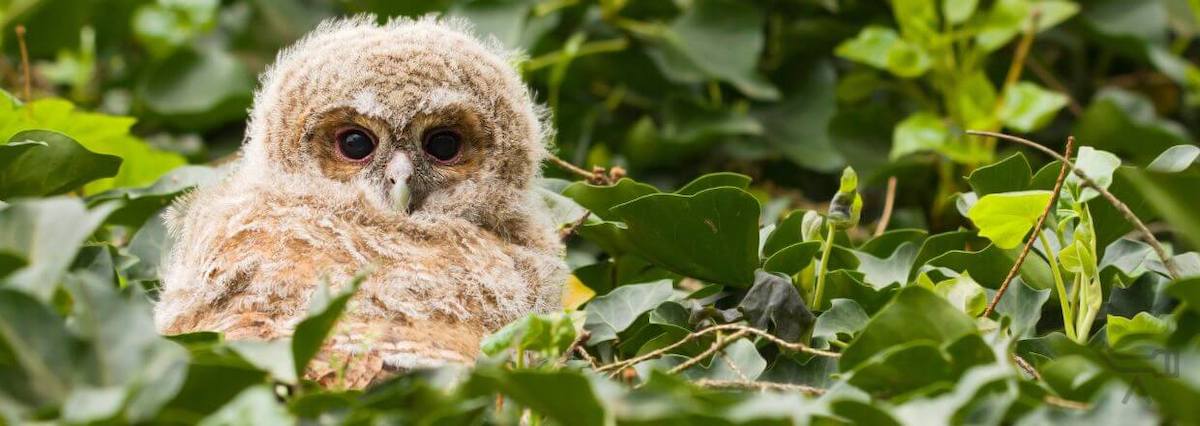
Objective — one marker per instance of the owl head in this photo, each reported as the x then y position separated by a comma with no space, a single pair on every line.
416,116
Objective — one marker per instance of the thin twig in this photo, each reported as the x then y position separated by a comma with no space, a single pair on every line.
795,347
565,165
1065,403
579,341
717,345
570,229
1021,362
25,62
762,386
889,202
1033,236
1172,268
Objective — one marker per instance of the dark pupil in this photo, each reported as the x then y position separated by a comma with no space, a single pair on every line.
356,145
443,145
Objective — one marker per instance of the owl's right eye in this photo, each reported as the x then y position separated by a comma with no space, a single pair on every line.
355,143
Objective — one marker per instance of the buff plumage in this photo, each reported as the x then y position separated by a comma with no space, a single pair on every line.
476,251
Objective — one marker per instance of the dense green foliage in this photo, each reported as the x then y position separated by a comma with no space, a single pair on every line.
735,276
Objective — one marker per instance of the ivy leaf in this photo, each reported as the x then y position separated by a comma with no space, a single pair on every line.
43,162
1123,331
715,180
1077,258
915,314
600,198
964,293
1028,107
138,204
1098,166
255,405
774,300
1127,124
197,88
894,269
1006,217
711,235
1023,306
612,313
919,132
1175,159
1010,174
845,316
46,233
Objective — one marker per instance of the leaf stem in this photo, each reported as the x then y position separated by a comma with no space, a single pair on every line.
820,289
1060,285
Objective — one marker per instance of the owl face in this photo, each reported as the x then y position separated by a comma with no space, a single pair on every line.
400,166
413,115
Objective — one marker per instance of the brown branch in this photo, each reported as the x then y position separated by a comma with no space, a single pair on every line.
1172,268
576,344
565,165
717,345
1065,403
25,62
762,386
795,347
570,229
1021,362
1018,63
598,175
889,203
1037,228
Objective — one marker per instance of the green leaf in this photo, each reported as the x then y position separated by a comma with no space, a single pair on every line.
39,352
883,48
1022,305
715,180
845,316
964,293
599,199
958,11
46,234
1127,124
197,88
1175,159
1010,174
139,204
1123,331
1005,218
103,134
612,313
1007,18
791,259
275,357
786,233
697,40
711,235
894,269
798,123
774,300
917,133
914,315
989,266
257,405
1098,166
550,334
1077,258
324,309
1028,107
564,396
1173,196
43,162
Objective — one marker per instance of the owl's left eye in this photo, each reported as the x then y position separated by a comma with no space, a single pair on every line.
355,143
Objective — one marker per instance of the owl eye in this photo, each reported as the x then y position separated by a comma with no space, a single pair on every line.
355,143
443,145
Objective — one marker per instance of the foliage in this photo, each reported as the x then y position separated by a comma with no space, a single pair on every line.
707,286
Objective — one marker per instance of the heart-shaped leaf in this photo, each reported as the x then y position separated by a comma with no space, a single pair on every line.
1006,217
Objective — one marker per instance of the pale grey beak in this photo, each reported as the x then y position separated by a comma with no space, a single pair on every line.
399,171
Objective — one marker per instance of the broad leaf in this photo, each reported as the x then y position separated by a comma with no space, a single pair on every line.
612,313
43,162
915,314
1005,218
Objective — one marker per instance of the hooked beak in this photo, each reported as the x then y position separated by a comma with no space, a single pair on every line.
399,171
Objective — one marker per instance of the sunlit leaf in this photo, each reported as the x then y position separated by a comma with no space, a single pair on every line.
42,162
1006,217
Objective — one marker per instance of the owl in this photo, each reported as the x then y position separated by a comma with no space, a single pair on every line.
409,150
